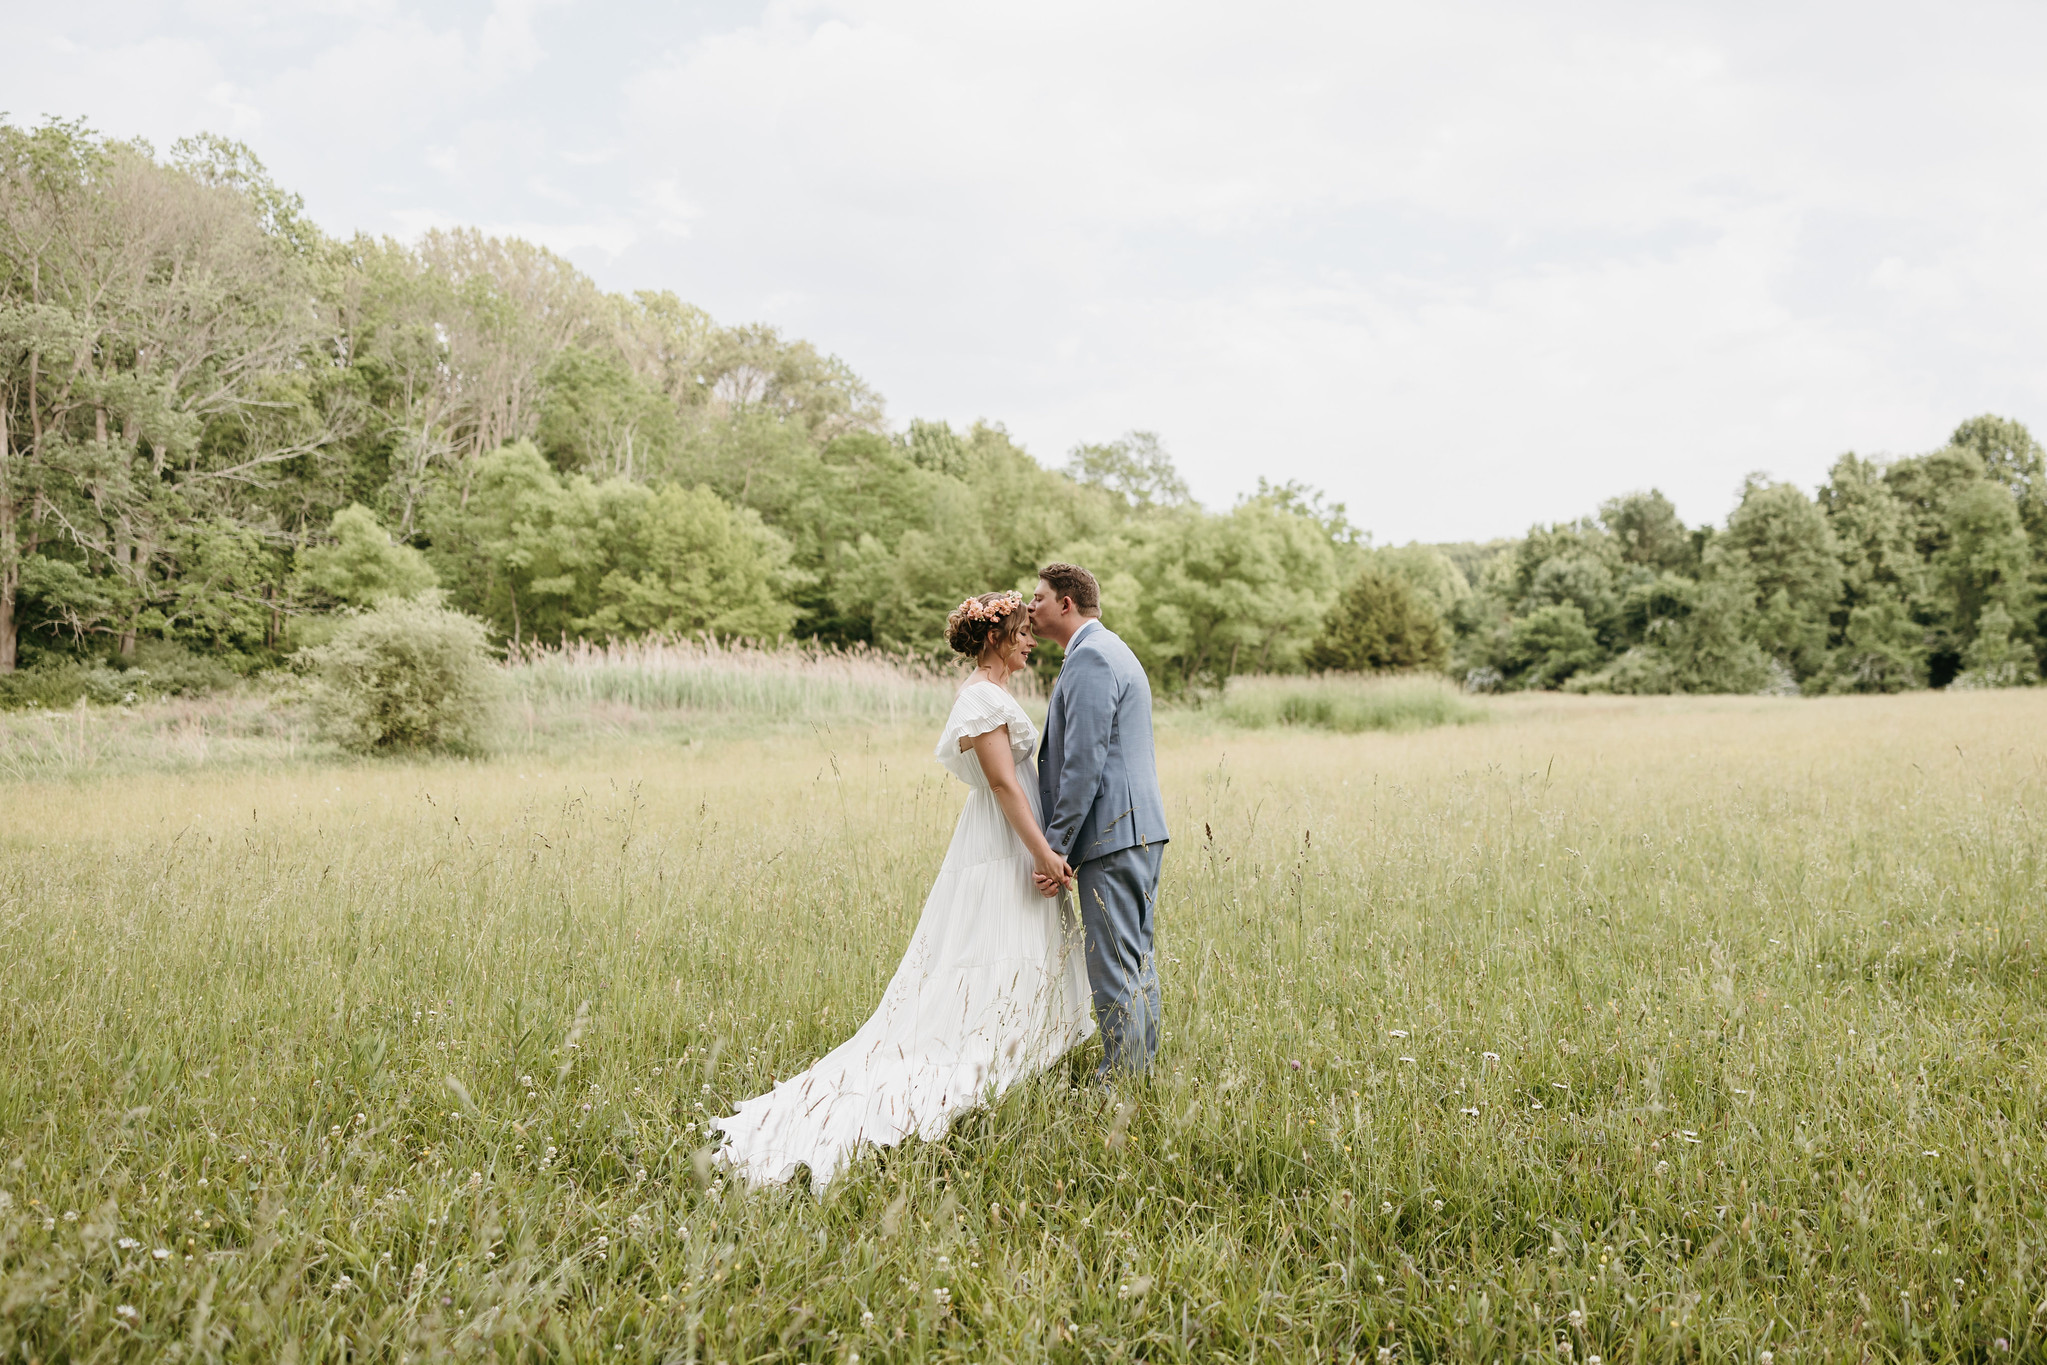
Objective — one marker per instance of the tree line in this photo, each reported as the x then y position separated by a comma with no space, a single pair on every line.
224,431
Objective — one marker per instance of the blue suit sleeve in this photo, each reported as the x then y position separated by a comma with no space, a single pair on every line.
1088,686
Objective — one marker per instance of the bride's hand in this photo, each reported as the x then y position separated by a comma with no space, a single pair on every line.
1052,875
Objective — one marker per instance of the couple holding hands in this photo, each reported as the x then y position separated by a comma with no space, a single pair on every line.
1042,908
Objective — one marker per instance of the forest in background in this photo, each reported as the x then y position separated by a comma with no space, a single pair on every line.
225,431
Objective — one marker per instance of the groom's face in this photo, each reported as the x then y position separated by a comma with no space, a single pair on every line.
1044,606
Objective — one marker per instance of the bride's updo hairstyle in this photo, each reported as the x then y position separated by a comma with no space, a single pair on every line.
992,618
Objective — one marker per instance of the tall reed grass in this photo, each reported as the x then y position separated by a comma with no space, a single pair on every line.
792,681
1347,705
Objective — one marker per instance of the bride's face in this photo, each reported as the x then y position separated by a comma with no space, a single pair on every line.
1016,655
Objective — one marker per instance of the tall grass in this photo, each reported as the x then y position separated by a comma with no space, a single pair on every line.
240,727
788,682
1670,1030
1347,705
638,692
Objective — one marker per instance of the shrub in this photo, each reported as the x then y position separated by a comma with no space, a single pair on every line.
59,683
407,674
1379,622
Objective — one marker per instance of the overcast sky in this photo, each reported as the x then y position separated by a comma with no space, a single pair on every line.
1466,266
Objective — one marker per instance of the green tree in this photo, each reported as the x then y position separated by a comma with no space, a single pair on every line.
1379,622
159,379
1986,560
1201,597
1780,550
1648,533
1134,469
1547,646
598,418
541,557
361,565
1879,646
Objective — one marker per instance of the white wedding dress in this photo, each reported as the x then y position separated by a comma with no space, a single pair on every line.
992,989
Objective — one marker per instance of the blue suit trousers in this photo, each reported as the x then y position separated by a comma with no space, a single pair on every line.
1118,892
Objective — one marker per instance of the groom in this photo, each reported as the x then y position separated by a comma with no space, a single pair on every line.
1098,786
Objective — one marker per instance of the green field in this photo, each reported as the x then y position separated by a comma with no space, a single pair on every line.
1677,1029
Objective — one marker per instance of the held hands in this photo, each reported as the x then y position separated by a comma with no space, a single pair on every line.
1052,875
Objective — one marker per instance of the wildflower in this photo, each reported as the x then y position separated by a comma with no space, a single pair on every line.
2003,1344
1536,1104
126,1310
1766,1357
1294,1064
1662,1166
1407,1059
1395,1033
161,1253
127,1244
344,1283
1472,1112
1577,1317
1490,1056
1439,1206
1564,1349
1594,1360
944,1295
335,1131
71,1215
1385,1353
1385,1206
866,1318
1558,1085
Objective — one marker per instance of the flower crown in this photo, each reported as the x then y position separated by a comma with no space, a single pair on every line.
974,609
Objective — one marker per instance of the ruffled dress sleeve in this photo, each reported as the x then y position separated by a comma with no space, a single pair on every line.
981,707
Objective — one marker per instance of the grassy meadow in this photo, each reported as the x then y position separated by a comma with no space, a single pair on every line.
1662,1029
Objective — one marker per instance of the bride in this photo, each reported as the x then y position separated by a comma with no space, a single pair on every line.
993,987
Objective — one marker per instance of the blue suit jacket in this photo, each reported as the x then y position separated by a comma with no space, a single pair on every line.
1098,779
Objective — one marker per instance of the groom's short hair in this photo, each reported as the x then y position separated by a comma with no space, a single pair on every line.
1070,580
